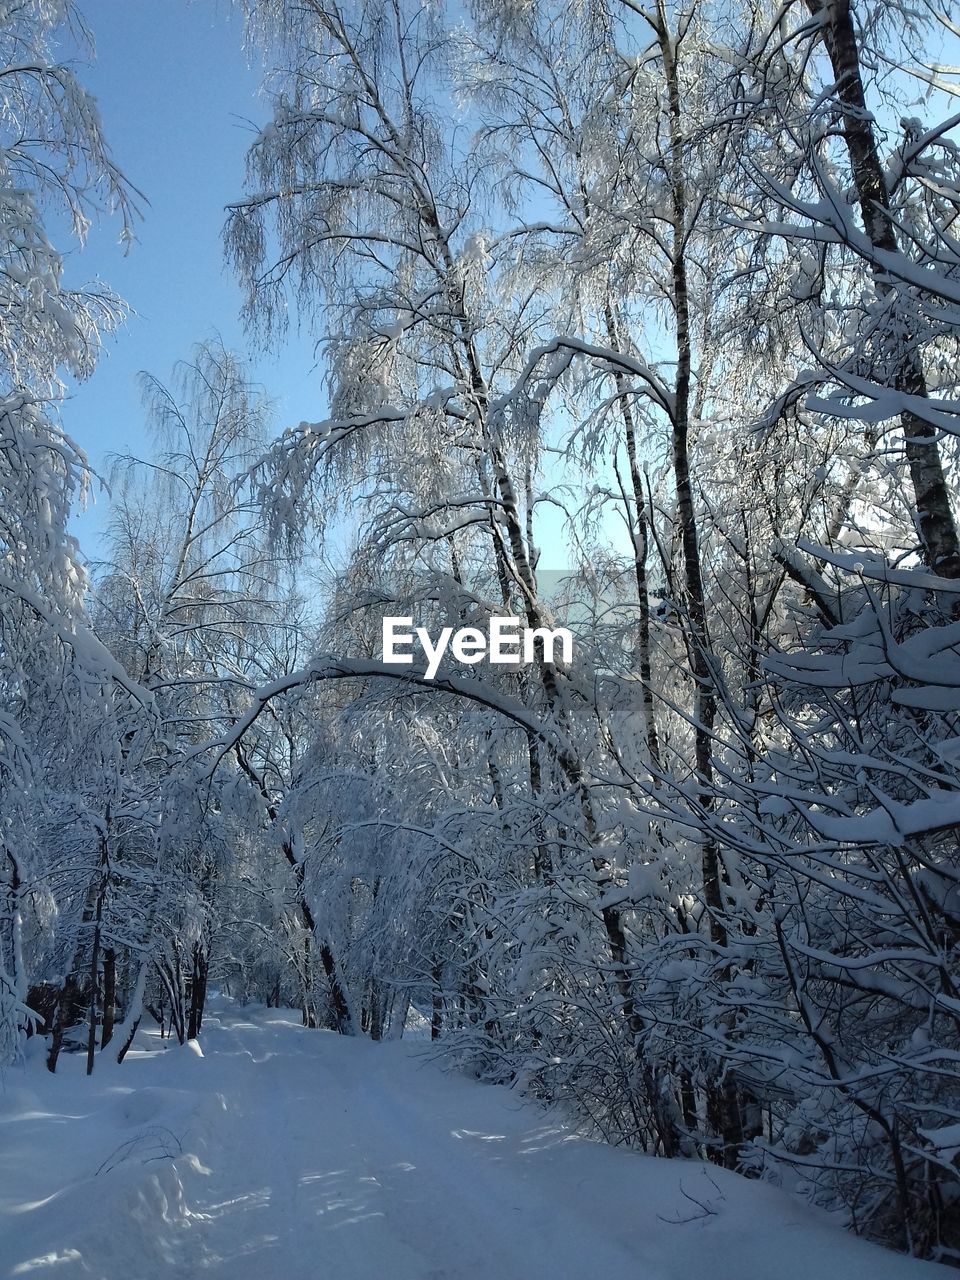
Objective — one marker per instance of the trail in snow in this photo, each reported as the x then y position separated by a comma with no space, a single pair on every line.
287,1154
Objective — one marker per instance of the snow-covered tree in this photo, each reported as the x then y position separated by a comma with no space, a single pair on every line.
56,172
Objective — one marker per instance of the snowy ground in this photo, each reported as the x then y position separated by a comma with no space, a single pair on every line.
285,1154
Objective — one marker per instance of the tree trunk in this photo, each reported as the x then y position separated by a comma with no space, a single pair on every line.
131,1022
94,991
376,1013
338,991
398,1016
308,1008
721,1114
68,1005
109,996
95,950
638,536
69,1001
436,1017
198,990
339,995
935,518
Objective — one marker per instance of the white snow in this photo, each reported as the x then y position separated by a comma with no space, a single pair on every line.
288,1154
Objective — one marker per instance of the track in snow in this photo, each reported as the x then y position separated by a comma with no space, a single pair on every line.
287,1154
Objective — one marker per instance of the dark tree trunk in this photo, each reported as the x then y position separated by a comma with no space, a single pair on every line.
94,991
95,970
338,990
68,1009
722,1112
70,999
374,1010
128,1039
309,1011
338,996
198,990
639,538
109,996
172,979
934,511
436,1018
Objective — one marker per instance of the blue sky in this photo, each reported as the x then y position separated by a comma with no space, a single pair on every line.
179,102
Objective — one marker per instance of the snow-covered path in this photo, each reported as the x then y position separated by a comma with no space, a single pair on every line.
286,1154
362,1167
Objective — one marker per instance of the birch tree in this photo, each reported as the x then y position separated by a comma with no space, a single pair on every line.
56,168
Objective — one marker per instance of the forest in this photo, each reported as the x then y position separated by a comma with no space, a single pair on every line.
639,318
